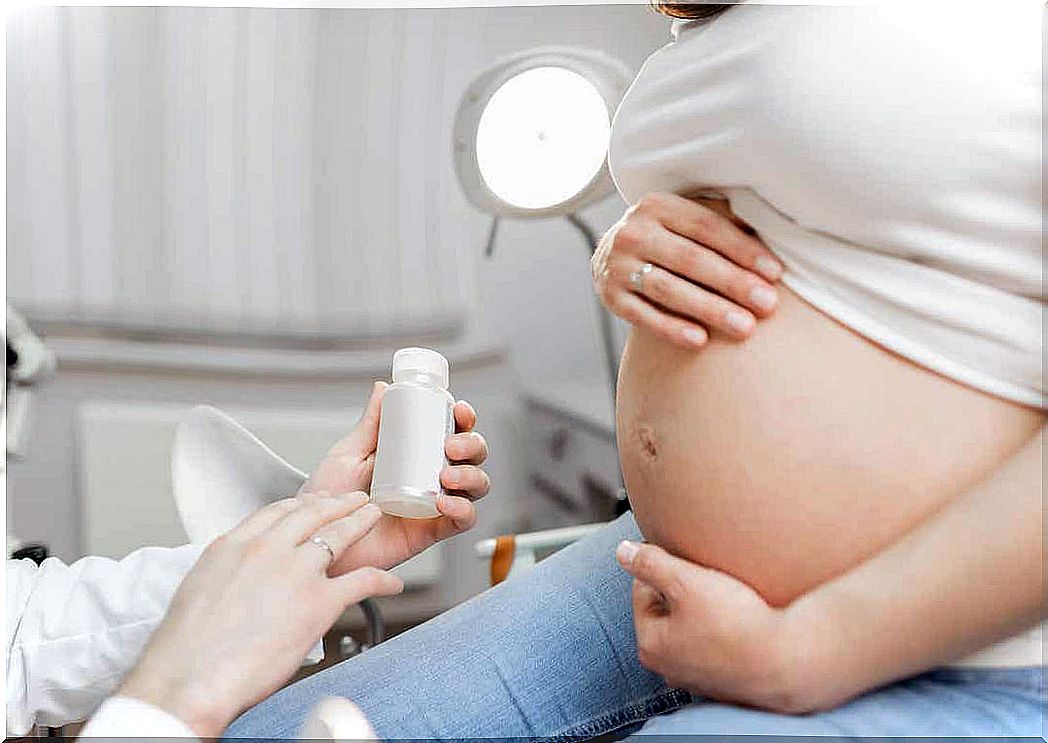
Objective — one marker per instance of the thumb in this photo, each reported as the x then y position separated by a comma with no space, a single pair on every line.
656,567
363,439
347,465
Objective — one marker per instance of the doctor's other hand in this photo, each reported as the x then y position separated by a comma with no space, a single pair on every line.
350,463
711,634
682,269
249,611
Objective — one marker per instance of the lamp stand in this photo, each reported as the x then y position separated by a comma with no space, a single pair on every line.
607,329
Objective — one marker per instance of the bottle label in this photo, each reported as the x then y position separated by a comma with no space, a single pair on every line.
415,425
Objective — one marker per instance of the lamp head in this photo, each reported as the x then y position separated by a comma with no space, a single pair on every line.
531,134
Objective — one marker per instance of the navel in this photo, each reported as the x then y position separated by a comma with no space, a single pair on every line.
648,440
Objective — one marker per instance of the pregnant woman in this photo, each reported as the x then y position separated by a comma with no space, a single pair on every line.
829,408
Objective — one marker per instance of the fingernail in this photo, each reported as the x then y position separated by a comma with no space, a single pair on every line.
452,476
448,505
764,298
358,496
769,268
626,551
740,322
694,336
457,444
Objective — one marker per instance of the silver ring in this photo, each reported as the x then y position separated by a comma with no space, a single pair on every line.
637,277
321,542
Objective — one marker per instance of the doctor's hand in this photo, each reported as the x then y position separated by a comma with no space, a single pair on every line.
708,633
682,269
351,462
247,614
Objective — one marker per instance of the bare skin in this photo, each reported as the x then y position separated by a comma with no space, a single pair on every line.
831,517
788,453
787,459
967,577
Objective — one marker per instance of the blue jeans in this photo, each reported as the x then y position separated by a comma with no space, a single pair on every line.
551,654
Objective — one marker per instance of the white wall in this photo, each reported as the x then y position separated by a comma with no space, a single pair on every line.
232,170
534,295
265,171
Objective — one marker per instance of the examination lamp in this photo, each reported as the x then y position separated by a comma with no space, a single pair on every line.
531,140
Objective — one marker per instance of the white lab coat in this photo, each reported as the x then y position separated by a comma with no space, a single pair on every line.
130,718
332,719
73,631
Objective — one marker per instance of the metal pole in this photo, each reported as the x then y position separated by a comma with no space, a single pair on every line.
607,329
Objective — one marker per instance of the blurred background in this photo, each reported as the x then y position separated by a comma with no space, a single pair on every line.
254,208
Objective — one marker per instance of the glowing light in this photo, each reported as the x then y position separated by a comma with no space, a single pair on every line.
542,137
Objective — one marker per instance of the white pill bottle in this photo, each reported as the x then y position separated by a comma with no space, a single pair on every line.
417,419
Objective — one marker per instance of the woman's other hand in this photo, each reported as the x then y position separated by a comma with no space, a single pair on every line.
709,272
708,633
247,614
351,462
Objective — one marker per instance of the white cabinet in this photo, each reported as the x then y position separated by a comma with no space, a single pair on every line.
573,463
96,475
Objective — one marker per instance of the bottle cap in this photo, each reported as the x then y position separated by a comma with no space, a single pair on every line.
420,365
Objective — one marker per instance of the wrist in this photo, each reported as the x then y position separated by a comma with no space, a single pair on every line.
811,646
197,710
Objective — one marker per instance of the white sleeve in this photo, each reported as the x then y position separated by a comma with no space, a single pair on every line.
123,717
73,631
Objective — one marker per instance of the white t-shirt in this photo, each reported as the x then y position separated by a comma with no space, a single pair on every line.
890,156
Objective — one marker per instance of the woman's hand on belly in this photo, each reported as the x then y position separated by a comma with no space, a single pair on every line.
967,577
707,632
708,272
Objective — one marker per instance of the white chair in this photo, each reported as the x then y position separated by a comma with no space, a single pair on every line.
223,473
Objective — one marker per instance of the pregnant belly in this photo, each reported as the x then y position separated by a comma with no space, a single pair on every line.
790,457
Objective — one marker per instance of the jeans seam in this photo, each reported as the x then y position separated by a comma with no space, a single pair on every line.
662,703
